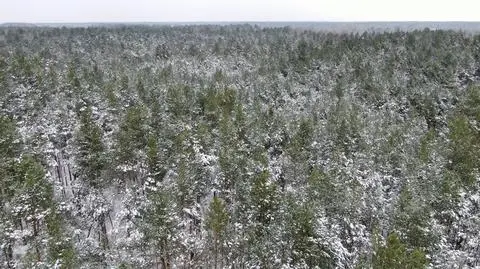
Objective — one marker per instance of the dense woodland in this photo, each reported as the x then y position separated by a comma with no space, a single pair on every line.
238,147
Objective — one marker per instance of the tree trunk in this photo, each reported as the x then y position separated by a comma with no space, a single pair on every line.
103,227
215,253
8,251
35,234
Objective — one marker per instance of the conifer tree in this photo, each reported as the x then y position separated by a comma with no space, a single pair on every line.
9,151
394,254
91,155
216,222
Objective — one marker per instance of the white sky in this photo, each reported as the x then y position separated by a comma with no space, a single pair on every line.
238,10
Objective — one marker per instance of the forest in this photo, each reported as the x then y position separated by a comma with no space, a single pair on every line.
238,146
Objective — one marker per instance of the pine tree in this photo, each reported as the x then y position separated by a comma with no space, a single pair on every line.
299,150
61,250
33,197
9,151
216,223
156,171
160,224
411,219
91,161
141,91
3,75
132,136
91,156
322,192
306,247
464,143
395,255
264,203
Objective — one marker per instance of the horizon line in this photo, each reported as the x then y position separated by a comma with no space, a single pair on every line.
244,21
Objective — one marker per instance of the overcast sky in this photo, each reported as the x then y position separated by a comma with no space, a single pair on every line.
237,10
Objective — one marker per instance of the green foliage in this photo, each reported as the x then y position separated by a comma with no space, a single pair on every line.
227,100
303,57
34,199
165,74
22,66
208,104
240,122
218,76
306,246
3,76
123,266
264,201
217,218
425,147
141,91
294,103
231,156
464,136
185,185
9,185
412,218
305,133
61,251
426,108
90,156
344,127
156,171
340,88
160,222
395,255
109,91
464,149
217,103
9,150
9,143
216,223
471,106
124,83
372,93
33,189
322,191
72,78
301,141
181,100
132,136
